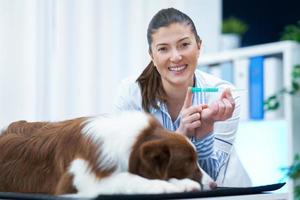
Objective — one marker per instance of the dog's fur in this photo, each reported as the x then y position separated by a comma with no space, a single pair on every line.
125,153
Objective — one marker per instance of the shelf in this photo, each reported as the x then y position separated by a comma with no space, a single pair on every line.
257,50
251,134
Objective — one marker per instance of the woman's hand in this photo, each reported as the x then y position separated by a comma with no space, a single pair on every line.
219,110
190,116
198,121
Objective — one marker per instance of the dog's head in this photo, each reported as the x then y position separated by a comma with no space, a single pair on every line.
161,154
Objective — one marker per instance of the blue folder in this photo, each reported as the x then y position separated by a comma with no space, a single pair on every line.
256,88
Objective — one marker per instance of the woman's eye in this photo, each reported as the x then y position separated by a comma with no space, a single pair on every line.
161,49
185,44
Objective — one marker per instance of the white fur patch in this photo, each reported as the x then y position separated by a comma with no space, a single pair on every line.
121,183
186,184
89,186
116,134
84,181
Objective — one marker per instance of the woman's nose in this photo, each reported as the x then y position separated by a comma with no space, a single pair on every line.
175,56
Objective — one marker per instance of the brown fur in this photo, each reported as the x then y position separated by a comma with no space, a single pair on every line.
35,156
163,155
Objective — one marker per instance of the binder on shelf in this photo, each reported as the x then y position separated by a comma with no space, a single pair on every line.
241,80
273,82
227,71
256,88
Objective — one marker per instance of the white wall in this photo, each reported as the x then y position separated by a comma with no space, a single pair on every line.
18,47
64,58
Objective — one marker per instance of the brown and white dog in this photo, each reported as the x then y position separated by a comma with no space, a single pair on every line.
127,153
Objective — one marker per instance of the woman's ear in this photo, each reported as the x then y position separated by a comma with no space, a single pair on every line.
199,44
150,53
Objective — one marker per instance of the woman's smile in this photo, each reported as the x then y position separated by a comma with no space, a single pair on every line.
177,68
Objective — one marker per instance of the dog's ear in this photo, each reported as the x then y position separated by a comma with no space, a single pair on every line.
156,156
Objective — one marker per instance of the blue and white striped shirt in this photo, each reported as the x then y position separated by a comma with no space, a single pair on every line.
214,149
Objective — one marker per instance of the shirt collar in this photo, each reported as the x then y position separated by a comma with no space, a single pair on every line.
162,106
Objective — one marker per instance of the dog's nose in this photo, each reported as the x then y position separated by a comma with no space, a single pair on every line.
212,185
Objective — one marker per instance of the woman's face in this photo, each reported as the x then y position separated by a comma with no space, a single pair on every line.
175,52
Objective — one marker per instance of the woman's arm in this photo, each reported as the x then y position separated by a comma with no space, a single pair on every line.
127,96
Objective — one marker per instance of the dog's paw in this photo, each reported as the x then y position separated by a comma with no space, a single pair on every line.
160,186
185,185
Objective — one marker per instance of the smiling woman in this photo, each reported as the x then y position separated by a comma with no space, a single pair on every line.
163,90
174,51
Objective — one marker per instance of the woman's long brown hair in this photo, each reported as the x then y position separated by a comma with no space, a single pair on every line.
151,87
